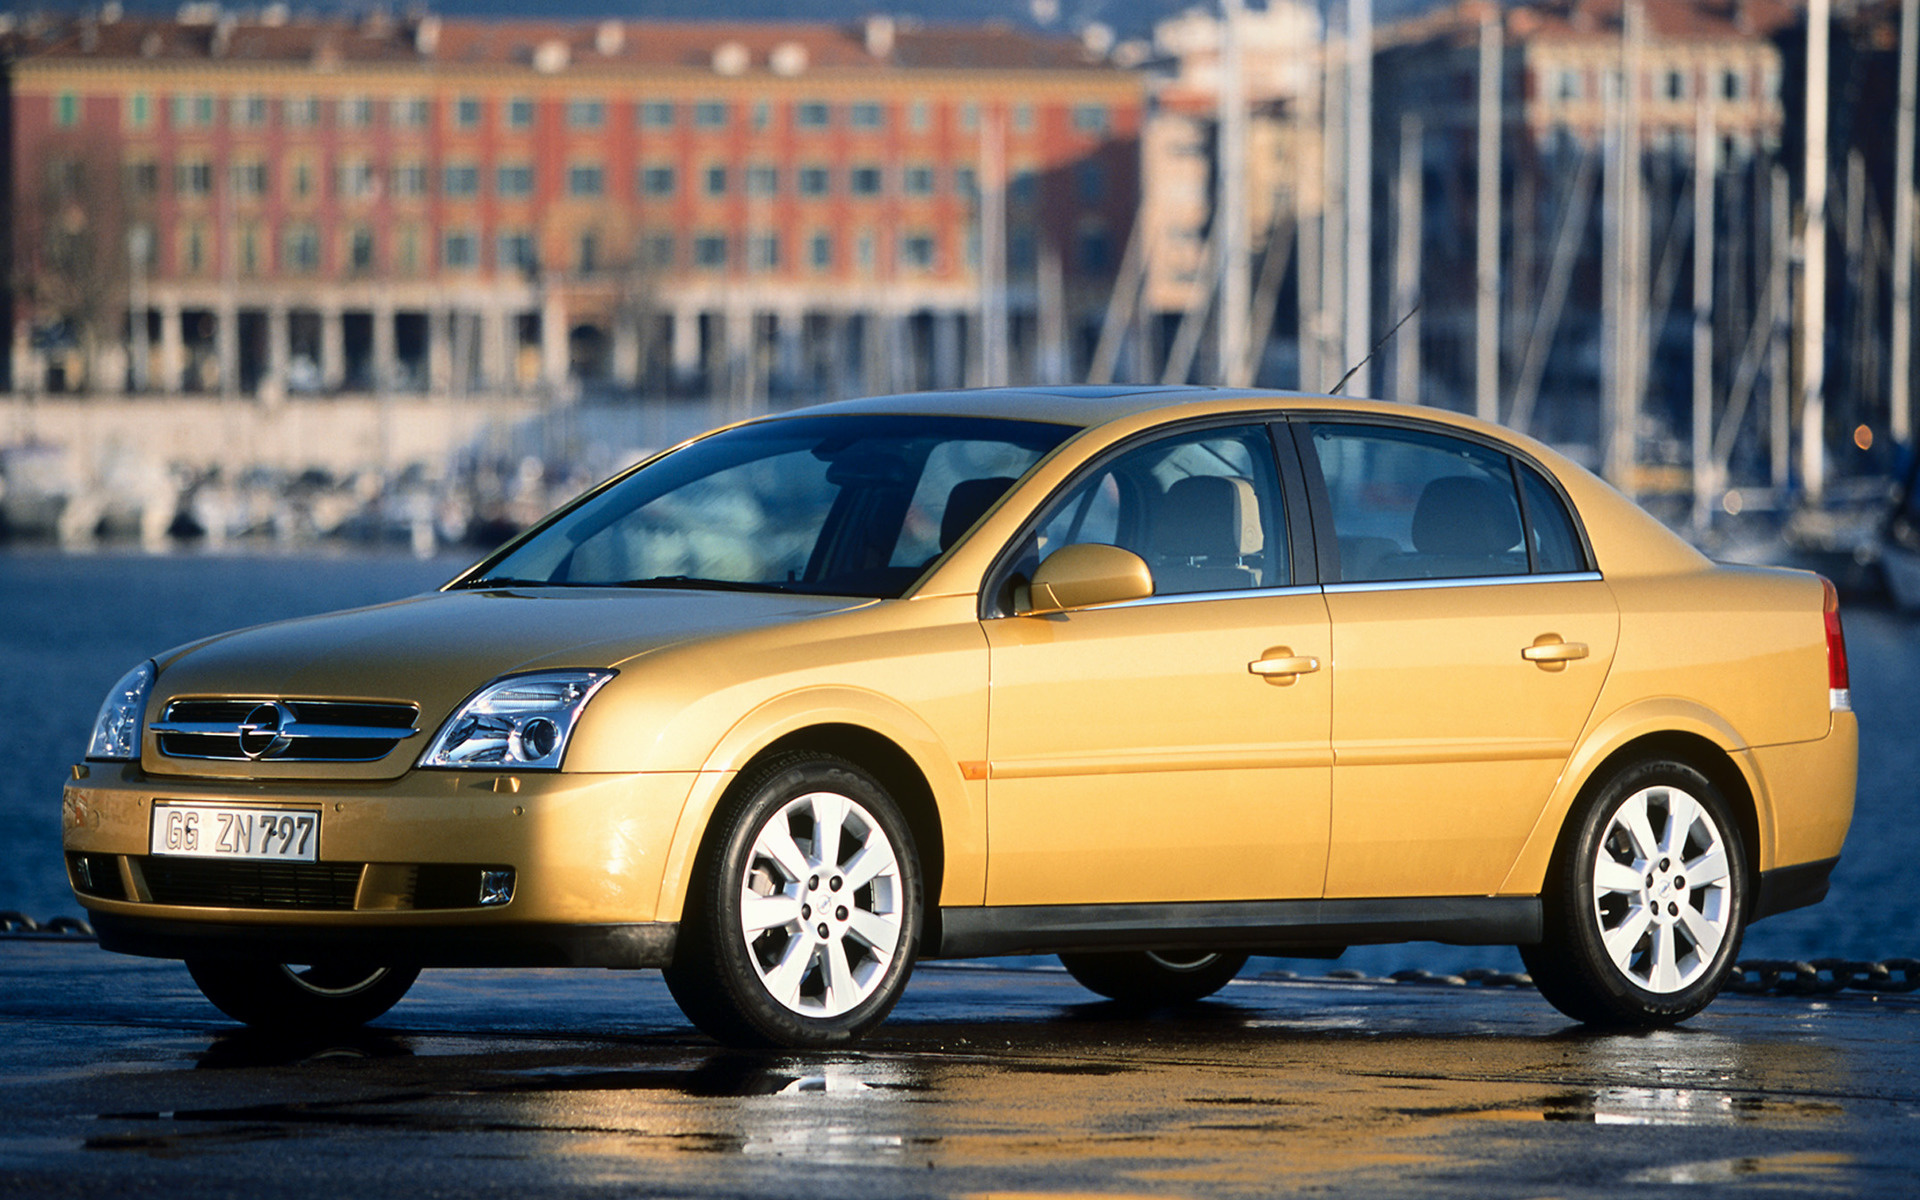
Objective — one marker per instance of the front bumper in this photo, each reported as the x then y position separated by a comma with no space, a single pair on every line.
586,852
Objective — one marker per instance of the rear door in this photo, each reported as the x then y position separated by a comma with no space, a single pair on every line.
1470,639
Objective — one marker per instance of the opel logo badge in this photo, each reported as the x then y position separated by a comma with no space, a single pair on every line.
263,734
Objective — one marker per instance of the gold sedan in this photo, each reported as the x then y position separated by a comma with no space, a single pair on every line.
1149,678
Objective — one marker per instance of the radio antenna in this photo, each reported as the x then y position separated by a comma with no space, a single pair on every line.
1352,371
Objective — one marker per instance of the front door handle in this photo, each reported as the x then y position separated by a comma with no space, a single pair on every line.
1551,653
1282,666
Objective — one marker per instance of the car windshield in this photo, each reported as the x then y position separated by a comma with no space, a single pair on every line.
820,505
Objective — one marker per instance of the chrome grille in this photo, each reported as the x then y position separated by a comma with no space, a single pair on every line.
284,730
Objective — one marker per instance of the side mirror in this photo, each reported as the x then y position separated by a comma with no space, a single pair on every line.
1085,574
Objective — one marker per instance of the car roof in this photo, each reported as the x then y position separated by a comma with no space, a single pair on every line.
1088,405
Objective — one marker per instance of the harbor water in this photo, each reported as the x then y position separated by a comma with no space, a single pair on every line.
72,624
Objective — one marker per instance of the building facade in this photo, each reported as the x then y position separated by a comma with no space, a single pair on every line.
269,205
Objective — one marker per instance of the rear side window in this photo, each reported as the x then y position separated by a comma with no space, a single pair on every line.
1407,505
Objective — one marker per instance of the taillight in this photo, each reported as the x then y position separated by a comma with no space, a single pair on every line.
1839,691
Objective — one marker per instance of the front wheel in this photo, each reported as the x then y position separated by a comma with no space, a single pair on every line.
804,918
1152,978
301,998
1646,908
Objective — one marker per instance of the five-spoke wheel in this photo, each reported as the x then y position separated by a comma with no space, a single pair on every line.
804,920
1645,905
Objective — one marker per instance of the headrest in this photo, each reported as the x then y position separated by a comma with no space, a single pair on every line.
966,503
1209,516
1465,517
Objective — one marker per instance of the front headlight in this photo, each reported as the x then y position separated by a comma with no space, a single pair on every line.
520,722
116,731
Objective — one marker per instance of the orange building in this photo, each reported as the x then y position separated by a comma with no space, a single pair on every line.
263,205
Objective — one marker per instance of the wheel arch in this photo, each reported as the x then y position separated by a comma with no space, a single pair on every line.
942,809
1682,732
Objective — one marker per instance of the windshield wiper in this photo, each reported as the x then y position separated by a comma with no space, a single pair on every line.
696,583
509,581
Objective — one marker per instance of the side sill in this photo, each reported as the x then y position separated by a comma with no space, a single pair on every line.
1272,926
648,944
1784,889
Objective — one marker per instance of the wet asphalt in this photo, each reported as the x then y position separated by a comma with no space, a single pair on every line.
117,1079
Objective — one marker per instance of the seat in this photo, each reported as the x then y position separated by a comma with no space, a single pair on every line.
1204,529
1463,526
967,502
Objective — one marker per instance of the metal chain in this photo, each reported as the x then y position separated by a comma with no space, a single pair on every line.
14,924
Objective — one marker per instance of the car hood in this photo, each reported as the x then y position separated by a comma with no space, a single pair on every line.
436,650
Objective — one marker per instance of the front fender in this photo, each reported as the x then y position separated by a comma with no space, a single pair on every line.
960,802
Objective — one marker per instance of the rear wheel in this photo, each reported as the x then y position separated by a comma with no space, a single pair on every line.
1149,978
1646,908
804,918
301,998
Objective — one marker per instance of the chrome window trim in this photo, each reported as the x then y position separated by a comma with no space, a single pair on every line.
1395,585
1304,589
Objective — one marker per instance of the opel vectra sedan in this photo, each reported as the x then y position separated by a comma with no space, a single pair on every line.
1149,678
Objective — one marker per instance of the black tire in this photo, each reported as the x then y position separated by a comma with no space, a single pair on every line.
1154,979
1666,898
301,999
725,979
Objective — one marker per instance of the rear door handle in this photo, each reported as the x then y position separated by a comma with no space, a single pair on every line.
1282,666
1549,651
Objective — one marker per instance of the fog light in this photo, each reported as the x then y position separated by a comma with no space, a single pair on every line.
496,887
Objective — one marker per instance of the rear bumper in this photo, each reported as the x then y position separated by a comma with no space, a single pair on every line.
639,944
1784,889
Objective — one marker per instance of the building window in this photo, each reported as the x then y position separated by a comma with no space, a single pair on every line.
1090,180
710,251
354,180
410,112
302,179
1095,252
249,179
460,250
586,258
710,114
966,182
193,177
1569,84
919,116
192,111
586,114
360,251
863,251
513,182
410,179
916,252
820,250
656,114
303,248
812,114
657,180
356,112
716,180
466,112
515,251
139,110
763,179
969,117
460,181
864,181
917,180
658,250
300,112
1023,118
865,115
1024,186
407,255
813,181
1090,119
1733,85
1676,85
763,252
143,177
585,180
248,112
520,113
762,116
1021,250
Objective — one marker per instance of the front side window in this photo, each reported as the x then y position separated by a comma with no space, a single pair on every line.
1202,508
1408,504
837,506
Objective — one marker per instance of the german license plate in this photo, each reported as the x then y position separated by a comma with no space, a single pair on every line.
219,831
